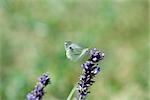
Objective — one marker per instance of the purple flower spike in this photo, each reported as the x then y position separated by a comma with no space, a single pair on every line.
38,92
95,56
91,69
44,79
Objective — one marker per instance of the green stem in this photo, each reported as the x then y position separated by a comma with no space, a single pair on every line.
71,93
80,97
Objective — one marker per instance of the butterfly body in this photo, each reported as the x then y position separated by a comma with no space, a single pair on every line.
74,51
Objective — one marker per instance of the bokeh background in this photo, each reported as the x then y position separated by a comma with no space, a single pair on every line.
32,42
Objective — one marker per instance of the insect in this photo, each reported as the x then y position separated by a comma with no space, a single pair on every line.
74,51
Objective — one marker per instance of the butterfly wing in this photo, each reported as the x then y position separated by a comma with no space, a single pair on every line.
77,51
74,51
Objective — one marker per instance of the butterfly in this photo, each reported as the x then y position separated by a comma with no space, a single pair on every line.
74,51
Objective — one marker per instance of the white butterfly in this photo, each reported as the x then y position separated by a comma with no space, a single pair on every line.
74,51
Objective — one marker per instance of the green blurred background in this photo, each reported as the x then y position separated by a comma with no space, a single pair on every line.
32,38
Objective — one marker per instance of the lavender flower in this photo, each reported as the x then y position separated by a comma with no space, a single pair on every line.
38,92
90,70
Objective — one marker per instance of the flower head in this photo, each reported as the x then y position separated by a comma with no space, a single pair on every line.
95,56
90,70
38,92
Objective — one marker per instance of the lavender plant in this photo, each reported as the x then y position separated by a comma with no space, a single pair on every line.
38,92
90,70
